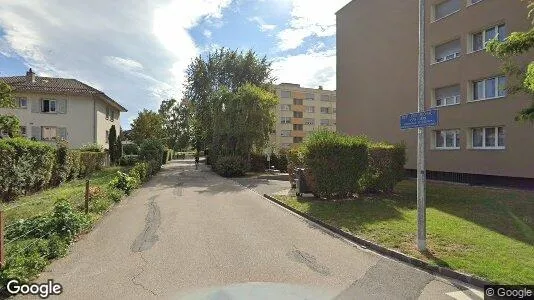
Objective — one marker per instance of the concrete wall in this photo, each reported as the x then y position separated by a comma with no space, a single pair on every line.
104,124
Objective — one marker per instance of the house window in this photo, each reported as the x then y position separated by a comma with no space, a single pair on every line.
297,140
285,120
325,97
446,8
310,109
447,139
297,114
325,110
447,51
309,121
23,130
21,102
449,95
49,106
309,96
285,94
107,136
285,133
48,133
480,39
325,122
297,127
488,138
297,101
285,107
489,88
112,115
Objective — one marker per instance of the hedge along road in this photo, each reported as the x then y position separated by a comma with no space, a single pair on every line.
190,233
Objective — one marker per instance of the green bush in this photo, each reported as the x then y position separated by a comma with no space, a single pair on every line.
91,161
128,160
25,166
140,172
130,149
336,162
386,168
152,149
73,156
279,160
123,182
258,162
114,194
62,167
179,155
230,166
295,159
92,148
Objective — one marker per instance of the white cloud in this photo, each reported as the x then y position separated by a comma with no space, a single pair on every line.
263,26
309,69
207,33
136,52
309,20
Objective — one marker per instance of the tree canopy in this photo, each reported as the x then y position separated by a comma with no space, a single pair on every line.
8,123
147,125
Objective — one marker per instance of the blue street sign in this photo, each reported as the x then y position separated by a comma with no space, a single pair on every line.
419,119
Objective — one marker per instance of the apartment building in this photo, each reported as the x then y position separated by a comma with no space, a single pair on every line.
58,108
377,82
301,111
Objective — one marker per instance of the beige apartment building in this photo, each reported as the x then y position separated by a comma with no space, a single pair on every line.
301,111
57,108
377,42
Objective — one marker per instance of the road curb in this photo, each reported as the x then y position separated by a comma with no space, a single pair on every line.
436,270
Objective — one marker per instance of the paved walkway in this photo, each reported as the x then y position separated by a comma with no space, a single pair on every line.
190,234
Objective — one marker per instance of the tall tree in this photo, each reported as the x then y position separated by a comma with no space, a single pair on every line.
118,148
8,123
112,143
147,125
520,78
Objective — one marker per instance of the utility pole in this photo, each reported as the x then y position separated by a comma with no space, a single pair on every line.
421,172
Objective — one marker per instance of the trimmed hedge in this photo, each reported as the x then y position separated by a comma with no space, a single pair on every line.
386,168
91,161
25,166
62,165
130,149
152,150
73,156
230,166
129,160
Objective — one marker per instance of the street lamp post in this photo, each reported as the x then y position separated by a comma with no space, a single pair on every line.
421,173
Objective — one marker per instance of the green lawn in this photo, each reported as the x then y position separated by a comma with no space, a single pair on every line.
43,202
483,231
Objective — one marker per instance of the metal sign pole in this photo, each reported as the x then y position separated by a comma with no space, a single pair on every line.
421,173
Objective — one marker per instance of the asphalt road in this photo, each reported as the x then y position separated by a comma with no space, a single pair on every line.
190,234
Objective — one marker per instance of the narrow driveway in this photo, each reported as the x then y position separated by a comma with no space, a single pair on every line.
190,234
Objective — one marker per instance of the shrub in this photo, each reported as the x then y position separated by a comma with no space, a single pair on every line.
62,164
25,166
128,160
279,160
140,172
258,162
92,148
386,168
114,194
91,161
73,156
66,222
179,155
153,167
336,162
123,182
230,166
295,159
130,149
152,149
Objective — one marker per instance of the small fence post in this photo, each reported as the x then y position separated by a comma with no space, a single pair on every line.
2,252
86,196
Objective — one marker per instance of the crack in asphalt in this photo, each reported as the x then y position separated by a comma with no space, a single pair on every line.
134,278
309,260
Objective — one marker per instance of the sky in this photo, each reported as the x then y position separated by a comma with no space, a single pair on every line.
137,51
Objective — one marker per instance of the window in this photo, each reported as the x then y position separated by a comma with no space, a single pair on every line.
107,113
48,133
334,110
325,110
325,122
49,106
310,109
107,136
309,96
23,131
285,107
446,8
297,101
479,39
297,114
285,120
449,95
489,88
285,94
298,127
309,121
21,102
447,51
325,97
447,139
285,133
112,115
297,139
488,138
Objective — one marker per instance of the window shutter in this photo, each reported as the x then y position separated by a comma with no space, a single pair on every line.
36,106
62,106
36,132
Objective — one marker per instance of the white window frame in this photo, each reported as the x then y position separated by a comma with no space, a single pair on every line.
309,121
327,121
485,80
283,119
285,133
307,96
19,102
484,32
285,107
298,112
434,19
310,109
448,57
55,111
443,135
327,110
484,147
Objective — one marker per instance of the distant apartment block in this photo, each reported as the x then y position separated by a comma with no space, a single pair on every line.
301,111
377,42
57,108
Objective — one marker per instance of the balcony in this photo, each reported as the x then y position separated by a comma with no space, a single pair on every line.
297,121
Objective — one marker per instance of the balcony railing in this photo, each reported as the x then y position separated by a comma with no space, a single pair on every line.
451,100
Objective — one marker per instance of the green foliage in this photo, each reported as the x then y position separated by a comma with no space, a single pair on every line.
25,166
123,182
131,149
62,165
66,222
10,124
112,142
6,96
336,162
118,149
279,160
73,157
114,194
91,162
92,148
140,171
152,150
386,168
129,160
258,162
148,125
230,166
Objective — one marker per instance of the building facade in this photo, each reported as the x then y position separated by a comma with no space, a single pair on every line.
56,108
301,111
377,82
